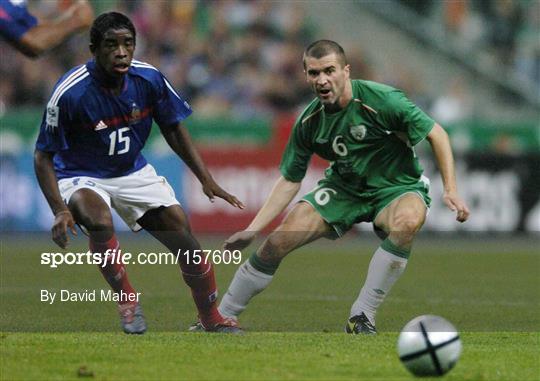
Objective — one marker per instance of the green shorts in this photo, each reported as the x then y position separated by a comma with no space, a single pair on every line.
341,207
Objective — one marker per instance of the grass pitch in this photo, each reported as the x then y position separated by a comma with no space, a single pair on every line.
255,356
488,288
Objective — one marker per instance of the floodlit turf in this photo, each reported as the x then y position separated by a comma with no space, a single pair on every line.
255,356
489,289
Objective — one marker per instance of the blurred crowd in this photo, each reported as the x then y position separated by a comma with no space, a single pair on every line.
502,33
237,58
226,57
243,58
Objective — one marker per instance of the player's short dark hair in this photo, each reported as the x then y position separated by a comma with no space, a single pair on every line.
321,48
107,21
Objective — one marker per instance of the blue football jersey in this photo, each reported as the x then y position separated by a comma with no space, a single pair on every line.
15,20
98,134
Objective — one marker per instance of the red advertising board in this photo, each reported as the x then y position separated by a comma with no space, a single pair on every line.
249,174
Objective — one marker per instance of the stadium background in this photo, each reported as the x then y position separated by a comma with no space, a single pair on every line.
474,66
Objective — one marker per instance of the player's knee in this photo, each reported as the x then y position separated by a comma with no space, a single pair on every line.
407,223
99,224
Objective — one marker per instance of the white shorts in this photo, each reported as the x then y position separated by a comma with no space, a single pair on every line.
131,196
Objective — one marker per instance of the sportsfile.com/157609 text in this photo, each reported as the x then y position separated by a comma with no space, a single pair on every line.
54,260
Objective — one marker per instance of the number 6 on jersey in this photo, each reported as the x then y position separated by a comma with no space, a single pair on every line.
322,196
339,147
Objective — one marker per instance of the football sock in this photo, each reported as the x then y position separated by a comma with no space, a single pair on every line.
201,279
263,266
252,277
384,270
114,273
392,248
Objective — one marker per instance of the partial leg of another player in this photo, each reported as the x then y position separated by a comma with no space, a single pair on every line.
92,212
401,219
171,227
301,226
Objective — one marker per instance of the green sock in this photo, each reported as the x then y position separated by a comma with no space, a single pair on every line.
396,250
263,266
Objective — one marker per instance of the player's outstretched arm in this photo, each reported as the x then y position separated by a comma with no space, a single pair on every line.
179,140
281,195
48,34
440,144
43,165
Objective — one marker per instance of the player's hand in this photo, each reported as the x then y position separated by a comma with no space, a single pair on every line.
239,240
82,13
456,204
213,190
62,221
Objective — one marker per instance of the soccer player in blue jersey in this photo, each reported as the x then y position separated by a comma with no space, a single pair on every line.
88,159
34,37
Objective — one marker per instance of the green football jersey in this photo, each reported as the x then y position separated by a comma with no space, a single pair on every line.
369,143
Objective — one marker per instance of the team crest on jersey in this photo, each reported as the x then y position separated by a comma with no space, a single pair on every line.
358,132
135,116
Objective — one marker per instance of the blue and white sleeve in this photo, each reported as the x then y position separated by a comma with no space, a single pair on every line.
54,124
170,108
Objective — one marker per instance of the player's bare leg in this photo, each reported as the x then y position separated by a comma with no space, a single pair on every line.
301,226
171,227
93,213
402,219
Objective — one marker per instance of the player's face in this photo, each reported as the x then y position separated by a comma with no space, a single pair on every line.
328,79
115,52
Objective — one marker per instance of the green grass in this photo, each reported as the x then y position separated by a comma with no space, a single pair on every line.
489,289
255,356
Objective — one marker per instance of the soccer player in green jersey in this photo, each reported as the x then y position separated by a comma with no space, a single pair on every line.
368,132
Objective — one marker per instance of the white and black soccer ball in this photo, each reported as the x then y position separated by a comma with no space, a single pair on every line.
429,346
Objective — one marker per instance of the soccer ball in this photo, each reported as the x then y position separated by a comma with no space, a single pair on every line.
429,346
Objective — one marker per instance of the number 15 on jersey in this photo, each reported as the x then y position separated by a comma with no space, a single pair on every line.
118,136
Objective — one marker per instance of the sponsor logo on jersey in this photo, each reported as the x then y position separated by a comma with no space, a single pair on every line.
100,126
358,132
